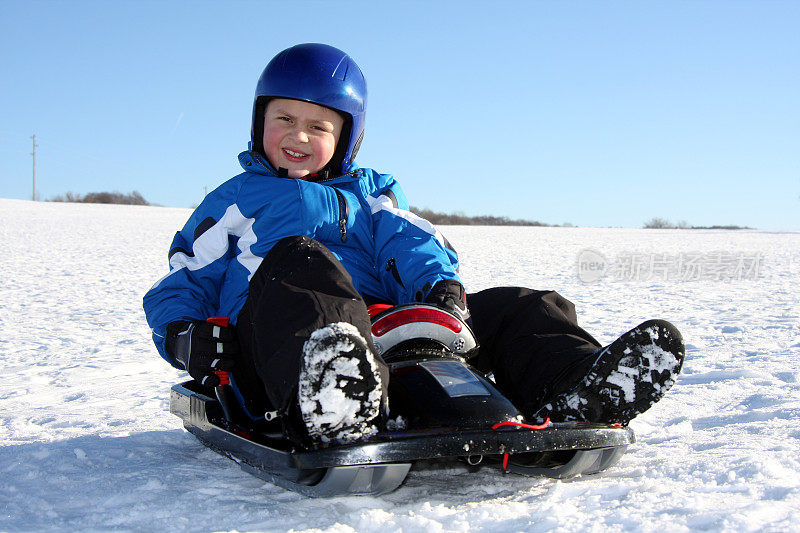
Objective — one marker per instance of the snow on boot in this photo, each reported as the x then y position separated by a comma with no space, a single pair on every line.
339,390
628,377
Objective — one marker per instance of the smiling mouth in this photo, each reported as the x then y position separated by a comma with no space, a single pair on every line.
293,155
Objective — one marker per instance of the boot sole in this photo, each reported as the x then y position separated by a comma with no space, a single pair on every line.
339,389
629,376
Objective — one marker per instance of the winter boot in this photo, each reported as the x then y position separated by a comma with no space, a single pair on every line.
340,389
629,375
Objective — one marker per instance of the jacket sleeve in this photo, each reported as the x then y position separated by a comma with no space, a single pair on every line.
198,260
411,255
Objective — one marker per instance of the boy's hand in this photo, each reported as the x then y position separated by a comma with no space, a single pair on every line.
202,348
450,295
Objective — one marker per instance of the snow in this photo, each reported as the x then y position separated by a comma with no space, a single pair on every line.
87,442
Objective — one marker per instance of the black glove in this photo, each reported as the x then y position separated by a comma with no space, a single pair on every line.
450,295
202,348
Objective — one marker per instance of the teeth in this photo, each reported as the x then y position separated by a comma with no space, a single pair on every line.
294,154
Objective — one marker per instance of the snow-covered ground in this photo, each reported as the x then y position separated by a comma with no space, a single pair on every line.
87,441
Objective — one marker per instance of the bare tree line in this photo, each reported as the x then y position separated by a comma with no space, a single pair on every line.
443,219
132,198
460,219
662,223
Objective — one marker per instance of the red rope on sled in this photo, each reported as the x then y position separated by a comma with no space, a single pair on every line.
544,425
499,425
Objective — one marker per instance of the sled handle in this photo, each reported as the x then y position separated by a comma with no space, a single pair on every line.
221,390
375,309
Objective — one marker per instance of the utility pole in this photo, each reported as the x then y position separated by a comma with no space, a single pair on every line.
34,167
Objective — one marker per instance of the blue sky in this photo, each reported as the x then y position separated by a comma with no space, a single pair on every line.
592,113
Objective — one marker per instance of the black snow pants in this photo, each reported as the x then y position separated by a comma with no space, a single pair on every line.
299,287
529,340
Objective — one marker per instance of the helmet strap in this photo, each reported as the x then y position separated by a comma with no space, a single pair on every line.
356,146
258,125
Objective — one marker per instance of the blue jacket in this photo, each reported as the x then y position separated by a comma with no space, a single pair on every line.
362,217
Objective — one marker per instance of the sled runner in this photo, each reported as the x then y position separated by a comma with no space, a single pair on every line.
441,408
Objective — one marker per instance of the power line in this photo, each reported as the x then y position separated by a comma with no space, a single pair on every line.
34,166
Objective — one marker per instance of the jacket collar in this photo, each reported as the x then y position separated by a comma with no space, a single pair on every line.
254,162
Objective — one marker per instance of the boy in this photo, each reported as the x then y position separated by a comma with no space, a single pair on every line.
296,247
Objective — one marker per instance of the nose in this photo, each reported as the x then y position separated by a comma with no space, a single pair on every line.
300,135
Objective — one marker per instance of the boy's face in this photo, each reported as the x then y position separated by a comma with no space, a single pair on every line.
300,136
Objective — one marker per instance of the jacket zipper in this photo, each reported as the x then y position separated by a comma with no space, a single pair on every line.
344,213
391,266
331,178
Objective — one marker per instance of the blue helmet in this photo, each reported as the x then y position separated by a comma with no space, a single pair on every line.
319,74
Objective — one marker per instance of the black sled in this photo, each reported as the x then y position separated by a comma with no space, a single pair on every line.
441,408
